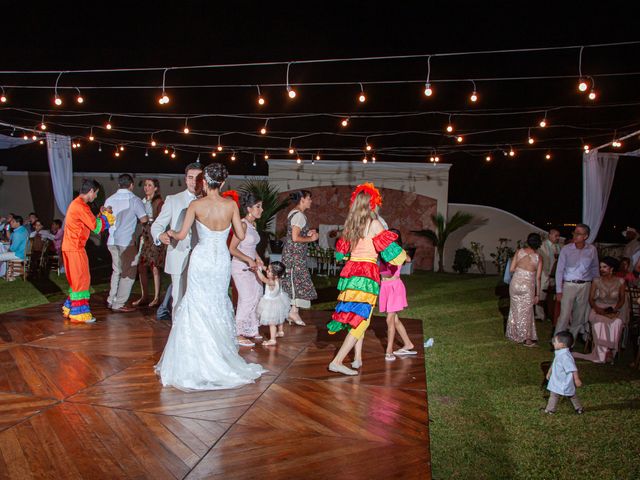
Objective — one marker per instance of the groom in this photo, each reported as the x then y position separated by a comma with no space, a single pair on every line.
171,217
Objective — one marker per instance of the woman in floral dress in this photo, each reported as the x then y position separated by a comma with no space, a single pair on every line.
297,282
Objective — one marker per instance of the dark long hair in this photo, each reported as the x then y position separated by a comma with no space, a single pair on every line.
156,183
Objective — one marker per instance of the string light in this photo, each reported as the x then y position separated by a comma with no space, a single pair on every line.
512,152
146,152
117,153
91,137
261,100
166,151
364,159
362,97
57,100
79,98
487,158
173,154
592,94
582,86
530,139
233,156
34,138
214,154
41,142
345,122
254,161
474,94
543,122
548,156
186,127
298,160
616,144
290,91
459,139
3,97
164,98
153,142
99,147
449,125
108,125
428,91
263,130
25,137
43,126
121,148
373,159
313,161
318,157
266,155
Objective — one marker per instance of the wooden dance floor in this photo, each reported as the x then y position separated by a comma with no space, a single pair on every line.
83,402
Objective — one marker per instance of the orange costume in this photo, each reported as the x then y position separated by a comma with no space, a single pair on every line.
79,223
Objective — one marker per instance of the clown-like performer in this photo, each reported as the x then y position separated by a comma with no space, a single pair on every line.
79,223
363,238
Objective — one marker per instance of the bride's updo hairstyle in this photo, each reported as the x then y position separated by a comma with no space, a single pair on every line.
215,174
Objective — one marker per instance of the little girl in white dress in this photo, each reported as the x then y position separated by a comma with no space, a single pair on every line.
275,304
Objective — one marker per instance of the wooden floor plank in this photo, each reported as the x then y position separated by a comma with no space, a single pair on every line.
16,407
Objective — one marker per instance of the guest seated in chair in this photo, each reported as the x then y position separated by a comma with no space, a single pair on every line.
607,298
19,241
624,271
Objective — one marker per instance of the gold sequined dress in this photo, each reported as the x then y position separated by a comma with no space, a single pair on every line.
521,325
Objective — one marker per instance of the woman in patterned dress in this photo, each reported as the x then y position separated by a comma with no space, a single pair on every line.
151,255
297,282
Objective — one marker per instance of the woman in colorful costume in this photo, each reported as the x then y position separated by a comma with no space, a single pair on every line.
363,238
79,223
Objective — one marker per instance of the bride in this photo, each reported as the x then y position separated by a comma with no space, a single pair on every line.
201,352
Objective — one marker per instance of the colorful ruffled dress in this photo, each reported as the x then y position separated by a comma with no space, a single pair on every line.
359,282
79,222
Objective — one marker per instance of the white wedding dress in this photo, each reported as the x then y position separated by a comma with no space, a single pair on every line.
201,352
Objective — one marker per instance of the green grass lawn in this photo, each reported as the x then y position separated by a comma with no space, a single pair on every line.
484,392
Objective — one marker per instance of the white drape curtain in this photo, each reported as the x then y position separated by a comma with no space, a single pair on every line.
598,170
61,168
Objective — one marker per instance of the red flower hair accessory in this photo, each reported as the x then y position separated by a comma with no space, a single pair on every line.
233,195
375,199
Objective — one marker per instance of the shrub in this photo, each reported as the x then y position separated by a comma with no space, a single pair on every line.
463,260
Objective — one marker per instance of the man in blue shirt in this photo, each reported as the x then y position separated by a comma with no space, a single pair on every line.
19,241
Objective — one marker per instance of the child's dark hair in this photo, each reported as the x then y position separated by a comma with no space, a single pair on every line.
278,269
565,337
397,232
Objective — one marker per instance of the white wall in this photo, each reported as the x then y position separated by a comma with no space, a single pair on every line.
431,180
489,225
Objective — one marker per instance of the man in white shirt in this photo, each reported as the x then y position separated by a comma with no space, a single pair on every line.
171,217
128,209
577,266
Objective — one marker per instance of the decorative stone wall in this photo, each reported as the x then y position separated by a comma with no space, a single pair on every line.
403,210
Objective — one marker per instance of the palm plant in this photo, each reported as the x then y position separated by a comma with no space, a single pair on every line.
271,205
443,229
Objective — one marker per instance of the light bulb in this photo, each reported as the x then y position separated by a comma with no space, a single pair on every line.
432,159
108,125
512,153
117,154
298,160
78,145
57,101
146,153
219,148
3,98
91,138
449,128
582,86
153,143
173,154
73,145
41,142
368,148
586,148
531,141
79,99
362,98
292,92
166,151
164,99
43,126
260,100
121,148
266,156
345,122
25,137
233,157
543,123
436,159
263,131
291,150
428,91
317,157
474,96
459,139
592,95
488,158
373,159
186,130
548,156
364,160
214,154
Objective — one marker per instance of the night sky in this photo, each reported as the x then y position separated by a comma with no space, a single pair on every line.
528,185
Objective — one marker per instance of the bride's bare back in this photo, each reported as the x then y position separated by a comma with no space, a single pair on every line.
214,212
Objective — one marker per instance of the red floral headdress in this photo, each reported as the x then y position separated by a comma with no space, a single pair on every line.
233,195
372,191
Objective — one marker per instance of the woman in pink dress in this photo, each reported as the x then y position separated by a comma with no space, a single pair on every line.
246,282
607,298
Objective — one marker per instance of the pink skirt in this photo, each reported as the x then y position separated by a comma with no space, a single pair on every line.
393,296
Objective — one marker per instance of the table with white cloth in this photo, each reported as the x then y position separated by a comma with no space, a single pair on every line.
4,248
